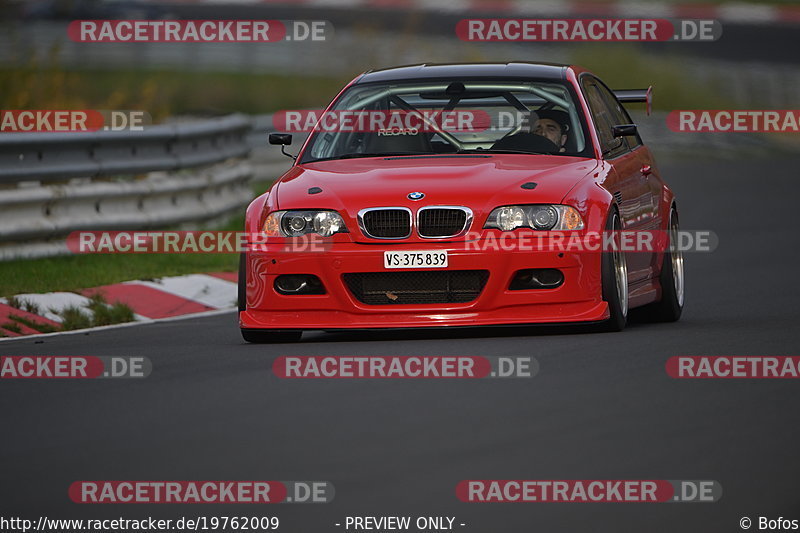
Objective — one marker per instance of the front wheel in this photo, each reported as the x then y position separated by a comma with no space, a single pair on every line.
615,279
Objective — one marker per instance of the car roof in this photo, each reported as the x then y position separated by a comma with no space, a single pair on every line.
515,70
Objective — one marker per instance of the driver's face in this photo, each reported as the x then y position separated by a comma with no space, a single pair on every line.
551,129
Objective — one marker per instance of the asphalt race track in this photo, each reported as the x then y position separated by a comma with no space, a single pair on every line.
602,406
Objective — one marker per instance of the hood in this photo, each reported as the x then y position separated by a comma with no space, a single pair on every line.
480,182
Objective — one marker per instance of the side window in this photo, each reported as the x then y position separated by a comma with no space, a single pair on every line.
600,113
619,114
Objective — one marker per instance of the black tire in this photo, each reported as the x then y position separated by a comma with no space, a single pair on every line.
670,307
260,336
617,303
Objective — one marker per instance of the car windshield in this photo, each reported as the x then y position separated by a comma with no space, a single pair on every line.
450,117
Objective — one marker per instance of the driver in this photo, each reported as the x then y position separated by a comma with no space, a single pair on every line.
553,125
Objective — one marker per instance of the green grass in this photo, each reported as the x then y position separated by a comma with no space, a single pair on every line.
97,312
623,66
101,314
75,272
74,317
13,327
162,93
23,304
33,324
104,314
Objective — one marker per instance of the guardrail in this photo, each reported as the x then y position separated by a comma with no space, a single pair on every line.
166,175
61,156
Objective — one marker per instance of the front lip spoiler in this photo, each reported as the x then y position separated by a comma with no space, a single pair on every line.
442,328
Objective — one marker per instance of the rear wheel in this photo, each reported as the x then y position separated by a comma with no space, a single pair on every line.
260,336
670,308
615,279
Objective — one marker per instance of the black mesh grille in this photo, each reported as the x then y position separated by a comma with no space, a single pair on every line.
387,223
441,222
417,287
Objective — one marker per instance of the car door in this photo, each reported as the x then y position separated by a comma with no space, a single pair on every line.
630,168
649,208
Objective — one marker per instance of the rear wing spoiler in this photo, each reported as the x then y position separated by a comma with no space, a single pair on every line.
636,95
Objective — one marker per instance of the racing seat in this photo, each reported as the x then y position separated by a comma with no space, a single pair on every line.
417,142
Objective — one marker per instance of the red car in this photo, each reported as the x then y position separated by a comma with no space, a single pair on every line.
450,222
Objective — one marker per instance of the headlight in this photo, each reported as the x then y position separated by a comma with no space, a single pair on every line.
297,223
541,217
509,218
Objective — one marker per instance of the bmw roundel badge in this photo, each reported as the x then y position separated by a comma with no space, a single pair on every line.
416,195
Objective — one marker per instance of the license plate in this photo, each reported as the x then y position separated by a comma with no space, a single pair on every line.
414,259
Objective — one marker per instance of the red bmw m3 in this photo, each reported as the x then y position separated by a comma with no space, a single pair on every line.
434,221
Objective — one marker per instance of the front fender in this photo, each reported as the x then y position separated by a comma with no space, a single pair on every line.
591,199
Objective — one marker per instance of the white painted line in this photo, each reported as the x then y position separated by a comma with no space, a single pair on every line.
207,290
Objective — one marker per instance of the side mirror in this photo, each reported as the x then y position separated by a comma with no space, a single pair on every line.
282,139
624,130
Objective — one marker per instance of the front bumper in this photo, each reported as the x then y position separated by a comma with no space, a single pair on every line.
578,299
